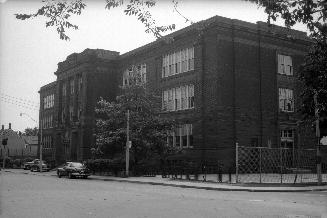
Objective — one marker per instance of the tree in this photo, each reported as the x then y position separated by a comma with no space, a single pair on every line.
148,128
313,72
312,13
58,13
31,131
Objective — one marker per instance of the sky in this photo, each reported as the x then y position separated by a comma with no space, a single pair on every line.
30,52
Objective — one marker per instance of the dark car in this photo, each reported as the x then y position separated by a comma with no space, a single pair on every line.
73,169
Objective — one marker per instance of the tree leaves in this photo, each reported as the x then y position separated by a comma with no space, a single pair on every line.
58,13
309,12
313,74
148,129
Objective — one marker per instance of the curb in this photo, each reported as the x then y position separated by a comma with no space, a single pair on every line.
188,186
210,188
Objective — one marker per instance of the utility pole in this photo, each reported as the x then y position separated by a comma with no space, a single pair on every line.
127,145
41,141
4,151
318,139
41,147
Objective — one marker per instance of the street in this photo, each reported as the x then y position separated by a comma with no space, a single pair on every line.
26,195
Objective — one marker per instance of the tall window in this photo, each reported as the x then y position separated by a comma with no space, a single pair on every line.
64,89
80,83
181,136
48,101
286,100
285,65
63,115
178,62
179,98
71,113
72,86
287,138
135,75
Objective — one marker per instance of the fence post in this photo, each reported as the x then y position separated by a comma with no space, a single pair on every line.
281,164
260,150
236,162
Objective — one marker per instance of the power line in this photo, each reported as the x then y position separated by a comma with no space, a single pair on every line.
19,102
19,105
20,99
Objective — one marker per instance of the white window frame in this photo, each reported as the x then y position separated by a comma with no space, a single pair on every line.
285,136
286,100
285,65
177,62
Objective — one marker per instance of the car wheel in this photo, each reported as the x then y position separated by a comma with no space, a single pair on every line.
59,174
70,176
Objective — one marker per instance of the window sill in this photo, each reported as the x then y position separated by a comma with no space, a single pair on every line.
179,111
167,78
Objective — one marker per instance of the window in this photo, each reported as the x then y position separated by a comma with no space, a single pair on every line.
287,138
63,115
182,136
179,98
72,86
80,83
285,65
64,89
178,62
286,100
135,75
165,100
191,96
48,101
71,113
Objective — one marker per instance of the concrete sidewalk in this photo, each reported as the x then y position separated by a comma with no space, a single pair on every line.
158,180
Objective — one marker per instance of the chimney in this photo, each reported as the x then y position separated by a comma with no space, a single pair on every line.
9,125
3,127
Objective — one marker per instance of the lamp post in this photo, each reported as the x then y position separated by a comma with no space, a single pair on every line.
319,177
127,145
40,131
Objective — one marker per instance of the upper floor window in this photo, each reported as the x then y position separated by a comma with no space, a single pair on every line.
71,113
287,138
80,83
47,122
285,65
178,62
179,98
48,101
286,100
72,86
135,75
64,89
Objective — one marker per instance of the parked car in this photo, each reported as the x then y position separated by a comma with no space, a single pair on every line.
27,165
36,166
73,169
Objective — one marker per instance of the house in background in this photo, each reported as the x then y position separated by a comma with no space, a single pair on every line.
18,146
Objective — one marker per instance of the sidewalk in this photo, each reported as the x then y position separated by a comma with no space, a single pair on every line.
158,180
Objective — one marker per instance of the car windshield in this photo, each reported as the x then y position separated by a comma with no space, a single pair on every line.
77,165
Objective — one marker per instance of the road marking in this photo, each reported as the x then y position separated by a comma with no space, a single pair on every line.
256,200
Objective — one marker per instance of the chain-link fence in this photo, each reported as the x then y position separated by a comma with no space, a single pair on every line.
277,165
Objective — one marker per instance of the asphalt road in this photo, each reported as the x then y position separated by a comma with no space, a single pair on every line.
33,196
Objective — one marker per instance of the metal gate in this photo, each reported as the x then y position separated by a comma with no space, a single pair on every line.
276,165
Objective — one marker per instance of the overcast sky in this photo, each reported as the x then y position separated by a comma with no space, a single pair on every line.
30,52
